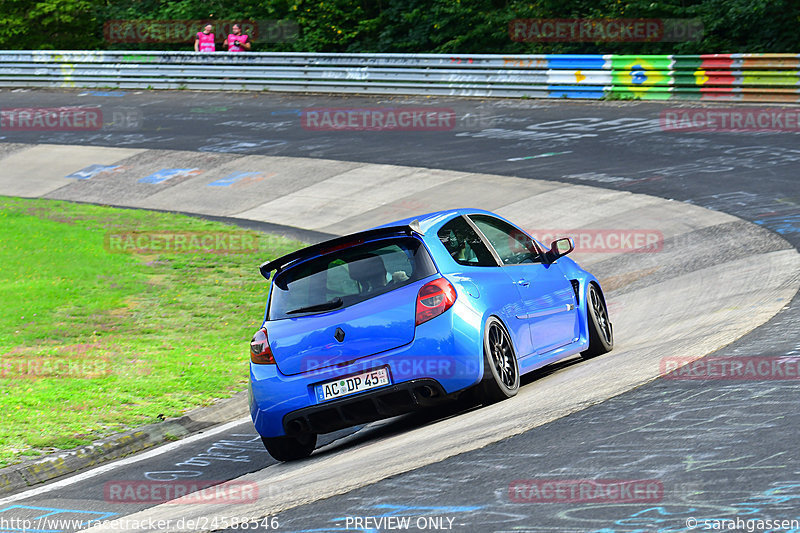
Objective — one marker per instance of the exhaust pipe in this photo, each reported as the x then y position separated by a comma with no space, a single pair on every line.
295,426
426,391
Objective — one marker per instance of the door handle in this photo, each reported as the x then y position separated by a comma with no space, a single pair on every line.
523,282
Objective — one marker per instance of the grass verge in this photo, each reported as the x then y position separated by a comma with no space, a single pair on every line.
103,330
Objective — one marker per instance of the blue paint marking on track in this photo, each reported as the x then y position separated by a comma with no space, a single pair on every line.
107,93
91,171
416,508
168,173
293,112
664,517
232,178
328,530
42,520
781,224
394,510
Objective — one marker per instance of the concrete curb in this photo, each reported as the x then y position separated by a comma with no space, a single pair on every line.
32,472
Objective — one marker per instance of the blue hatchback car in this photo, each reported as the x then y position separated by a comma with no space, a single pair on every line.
385,321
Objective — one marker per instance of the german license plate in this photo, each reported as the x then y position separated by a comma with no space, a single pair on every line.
350,385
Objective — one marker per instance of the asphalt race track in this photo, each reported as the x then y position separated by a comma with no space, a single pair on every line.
717,449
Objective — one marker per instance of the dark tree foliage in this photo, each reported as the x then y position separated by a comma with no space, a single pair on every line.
49,24
409,26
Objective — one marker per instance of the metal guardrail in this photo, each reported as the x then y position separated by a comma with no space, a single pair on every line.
719,77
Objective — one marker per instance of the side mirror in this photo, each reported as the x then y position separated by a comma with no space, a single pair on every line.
559,248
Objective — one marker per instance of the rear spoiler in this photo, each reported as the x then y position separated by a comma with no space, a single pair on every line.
323,247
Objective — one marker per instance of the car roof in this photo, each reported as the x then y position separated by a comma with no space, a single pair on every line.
434,220
422,225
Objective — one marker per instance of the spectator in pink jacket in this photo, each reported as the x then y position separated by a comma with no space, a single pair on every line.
236,41
204,41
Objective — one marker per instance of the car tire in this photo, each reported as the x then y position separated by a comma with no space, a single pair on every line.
501,370
601,331
291,448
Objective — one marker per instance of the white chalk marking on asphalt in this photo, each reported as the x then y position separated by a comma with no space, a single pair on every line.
548,154
122,462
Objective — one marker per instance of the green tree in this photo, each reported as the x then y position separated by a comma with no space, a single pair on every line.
50,24
410,26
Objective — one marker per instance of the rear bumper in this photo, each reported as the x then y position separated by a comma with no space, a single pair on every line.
444,357
367,407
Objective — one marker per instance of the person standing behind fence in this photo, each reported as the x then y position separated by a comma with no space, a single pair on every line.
236,41
204,42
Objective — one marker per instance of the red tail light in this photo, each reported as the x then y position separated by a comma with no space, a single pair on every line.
434,298
260,352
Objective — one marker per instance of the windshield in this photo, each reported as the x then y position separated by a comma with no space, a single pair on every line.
348,276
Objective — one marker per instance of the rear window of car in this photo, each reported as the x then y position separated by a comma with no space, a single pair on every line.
348,276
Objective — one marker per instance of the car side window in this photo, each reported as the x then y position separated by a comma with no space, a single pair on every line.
512,244
464,244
